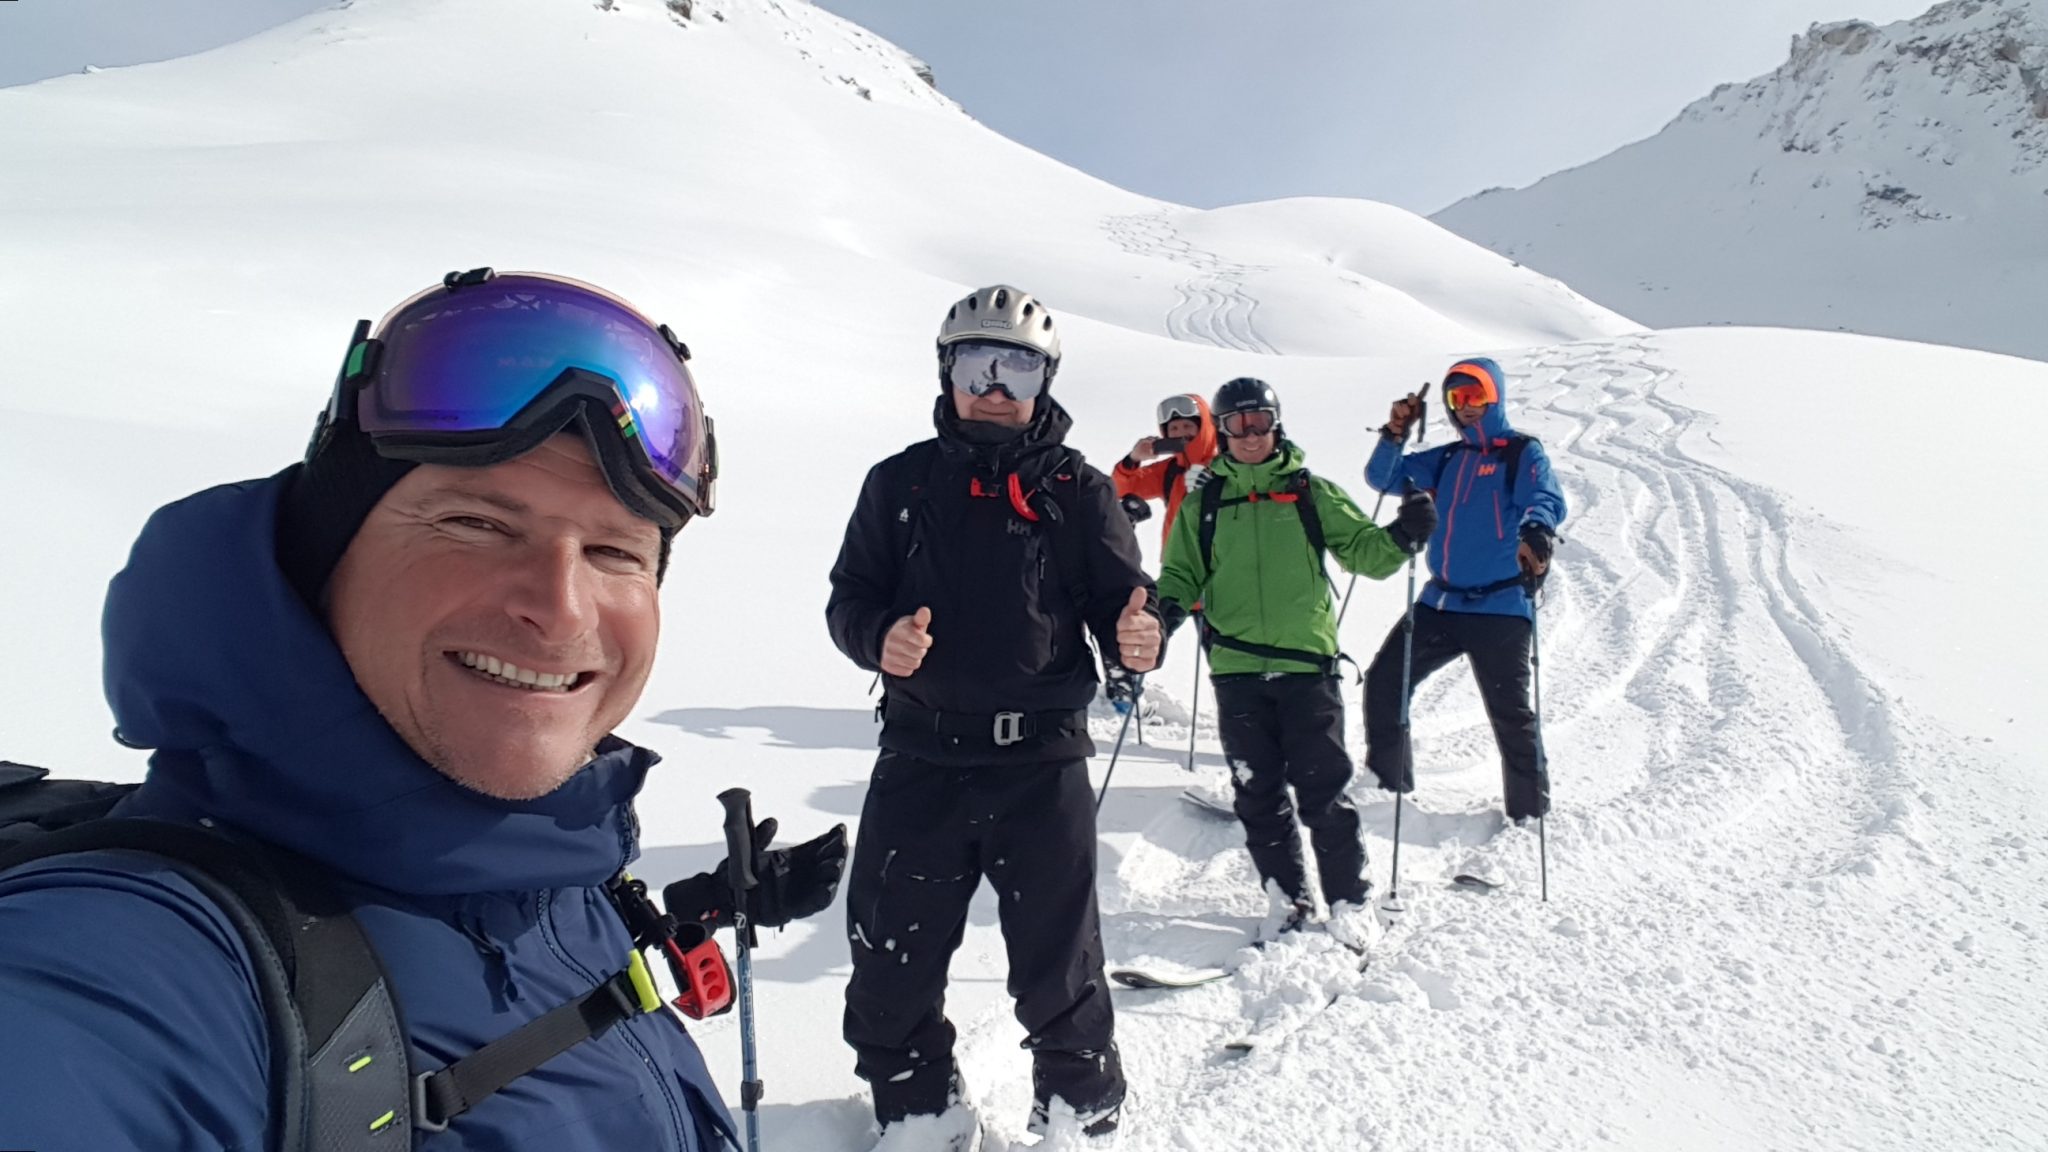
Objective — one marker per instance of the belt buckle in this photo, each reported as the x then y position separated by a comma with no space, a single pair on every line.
1009,728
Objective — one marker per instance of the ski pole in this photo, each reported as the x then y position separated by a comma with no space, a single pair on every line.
1344,605
1195,703
1407,743
1137,694
1536,683
739,856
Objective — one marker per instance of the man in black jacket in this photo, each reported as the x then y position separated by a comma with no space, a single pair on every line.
971,569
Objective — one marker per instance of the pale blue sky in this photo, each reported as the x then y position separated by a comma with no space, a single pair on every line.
1208,102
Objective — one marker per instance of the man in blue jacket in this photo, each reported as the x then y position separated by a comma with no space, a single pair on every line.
1498,507
401,659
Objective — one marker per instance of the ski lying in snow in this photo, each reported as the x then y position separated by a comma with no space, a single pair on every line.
1477,883
1153,981
1207,805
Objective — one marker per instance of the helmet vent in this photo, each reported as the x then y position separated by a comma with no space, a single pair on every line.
1002,299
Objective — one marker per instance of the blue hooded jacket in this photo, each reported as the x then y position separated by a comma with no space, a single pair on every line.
129,1017
1478,524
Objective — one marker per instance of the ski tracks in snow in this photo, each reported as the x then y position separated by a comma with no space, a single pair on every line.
1760,925
1213,305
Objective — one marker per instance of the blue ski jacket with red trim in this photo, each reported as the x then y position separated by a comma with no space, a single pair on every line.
1478,522
129,1018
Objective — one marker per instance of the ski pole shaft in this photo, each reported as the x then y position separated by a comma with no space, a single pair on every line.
1394,885
1137,693
739,856
1194,707
1536,687
1345,605
1407,744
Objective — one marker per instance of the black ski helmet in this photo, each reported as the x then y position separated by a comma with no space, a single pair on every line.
1245,394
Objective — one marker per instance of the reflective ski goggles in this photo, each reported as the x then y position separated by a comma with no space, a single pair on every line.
486,366
983,366
1252,422
1469,386
1178,408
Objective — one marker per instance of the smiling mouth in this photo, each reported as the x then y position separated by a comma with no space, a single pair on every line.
497,671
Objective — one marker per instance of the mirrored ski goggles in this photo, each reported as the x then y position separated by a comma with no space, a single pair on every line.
1467,389
984,366
1178,408
1254,422
485,367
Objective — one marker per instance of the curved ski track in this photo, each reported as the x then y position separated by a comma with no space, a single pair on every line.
1750,915
1213,305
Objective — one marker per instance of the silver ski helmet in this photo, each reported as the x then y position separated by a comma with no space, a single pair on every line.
1002,314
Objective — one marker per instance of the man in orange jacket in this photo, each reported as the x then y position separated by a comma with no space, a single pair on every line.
1149,473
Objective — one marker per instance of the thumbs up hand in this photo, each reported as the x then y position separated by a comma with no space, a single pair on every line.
908,640
1137,635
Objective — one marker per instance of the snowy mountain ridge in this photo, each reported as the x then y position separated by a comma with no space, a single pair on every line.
1890,180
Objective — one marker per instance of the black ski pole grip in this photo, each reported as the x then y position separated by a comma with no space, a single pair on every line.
1422,411
739,839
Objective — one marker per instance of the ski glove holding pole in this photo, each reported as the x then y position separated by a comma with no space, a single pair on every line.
1121,686
1415,521
1533,554
792,883
1410,409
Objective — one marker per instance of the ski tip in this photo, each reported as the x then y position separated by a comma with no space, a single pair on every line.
1473,883
1149,982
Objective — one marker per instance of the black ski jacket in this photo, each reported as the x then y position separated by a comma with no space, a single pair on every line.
1016,548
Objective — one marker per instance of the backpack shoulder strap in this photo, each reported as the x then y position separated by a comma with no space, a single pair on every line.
1205,528
339,1074
1443,462
1311,518
1069,550
1511,459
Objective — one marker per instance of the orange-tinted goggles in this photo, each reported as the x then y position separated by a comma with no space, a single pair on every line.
1464,390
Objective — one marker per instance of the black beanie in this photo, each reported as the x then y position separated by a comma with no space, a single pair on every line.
327,498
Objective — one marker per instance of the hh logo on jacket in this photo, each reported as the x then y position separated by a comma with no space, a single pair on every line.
1488,469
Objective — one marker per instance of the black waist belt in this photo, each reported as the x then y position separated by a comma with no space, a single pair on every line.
1484,589
1000,728
1330,665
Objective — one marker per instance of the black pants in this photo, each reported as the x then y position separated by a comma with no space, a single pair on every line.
1290,730
928,834
1499,649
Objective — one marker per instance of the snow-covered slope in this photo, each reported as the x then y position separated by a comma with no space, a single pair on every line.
1795,878
1888,180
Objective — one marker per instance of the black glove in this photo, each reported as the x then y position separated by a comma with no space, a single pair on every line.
1403,781
1136,508
1171,617
794,883
1540,540
1413,524
1121,686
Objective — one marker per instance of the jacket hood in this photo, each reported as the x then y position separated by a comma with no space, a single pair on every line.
214,661
1202,448
1493,425
1047,430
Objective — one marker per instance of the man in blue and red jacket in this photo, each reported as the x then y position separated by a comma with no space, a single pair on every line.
1499,508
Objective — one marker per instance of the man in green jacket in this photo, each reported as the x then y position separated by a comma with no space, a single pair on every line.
1251,555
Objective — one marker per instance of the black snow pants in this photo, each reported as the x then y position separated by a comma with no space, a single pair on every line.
928,834
1499,649
1284,730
